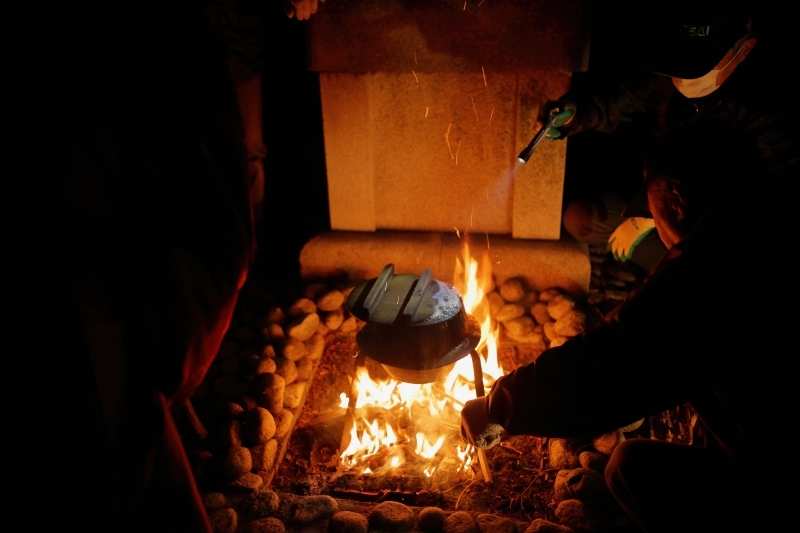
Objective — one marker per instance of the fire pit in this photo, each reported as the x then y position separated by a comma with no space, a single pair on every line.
418,329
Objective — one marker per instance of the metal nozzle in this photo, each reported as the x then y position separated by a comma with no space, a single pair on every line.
525,154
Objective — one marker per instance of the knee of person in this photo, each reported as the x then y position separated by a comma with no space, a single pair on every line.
577,219
623,457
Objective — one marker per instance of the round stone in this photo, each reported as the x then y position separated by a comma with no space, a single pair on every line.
264,455
259,425
333,319
313,509
606,443
559,305
265,525
248,483
348,522
302,306
292,349
571,323
540,313
431,519
294,394
283,423
540,525
562,454
302,327
214,500
580,517
512,290
490,523
259,504
223,521
593,461
287,369
305,369
391,517
315,347
236,463
548,294
330,301
509,312
460,522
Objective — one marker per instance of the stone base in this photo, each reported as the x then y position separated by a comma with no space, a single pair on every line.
356,255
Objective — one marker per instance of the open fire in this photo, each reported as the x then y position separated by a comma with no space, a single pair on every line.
412,429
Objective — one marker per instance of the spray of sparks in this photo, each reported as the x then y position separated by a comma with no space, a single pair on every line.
447,138
491,115
415,76
475,109
484,75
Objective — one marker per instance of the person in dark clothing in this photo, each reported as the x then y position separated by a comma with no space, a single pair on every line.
158,239
701,61
672,341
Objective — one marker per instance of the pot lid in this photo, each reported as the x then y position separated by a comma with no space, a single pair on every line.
404,299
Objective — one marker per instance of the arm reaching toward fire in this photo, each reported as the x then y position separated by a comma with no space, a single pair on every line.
476,426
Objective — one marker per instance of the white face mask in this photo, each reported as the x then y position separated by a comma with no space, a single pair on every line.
703,85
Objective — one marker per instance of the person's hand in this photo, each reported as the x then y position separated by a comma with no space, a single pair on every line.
301,9
628,235
557,116
476,426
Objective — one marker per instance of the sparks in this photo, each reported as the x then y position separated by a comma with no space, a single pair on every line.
426,112
420,255
475,109
458,233
457,147
490,116
480,3
487,240
446,138
415,76
465,5
484,75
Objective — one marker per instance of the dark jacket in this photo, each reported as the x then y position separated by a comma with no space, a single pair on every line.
683,335
757,99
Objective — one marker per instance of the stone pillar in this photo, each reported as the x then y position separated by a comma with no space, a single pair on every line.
426,105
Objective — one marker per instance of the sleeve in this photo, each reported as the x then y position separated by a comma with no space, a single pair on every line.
604,100
619,372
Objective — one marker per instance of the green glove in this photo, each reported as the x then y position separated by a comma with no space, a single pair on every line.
628,235
557,117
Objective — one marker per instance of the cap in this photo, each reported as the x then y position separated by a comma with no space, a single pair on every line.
690,40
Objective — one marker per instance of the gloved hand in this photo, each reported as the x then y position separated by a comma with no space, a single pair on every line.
628,235
476,426
563,111
300,9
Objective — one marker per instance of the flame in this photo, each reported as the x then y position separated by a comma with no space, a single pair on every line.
428,413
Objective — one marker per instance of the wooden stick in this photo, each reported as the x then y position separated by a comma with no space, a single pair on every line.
487,474
479,391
